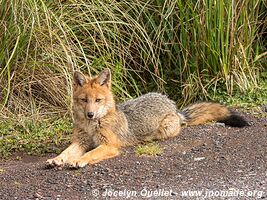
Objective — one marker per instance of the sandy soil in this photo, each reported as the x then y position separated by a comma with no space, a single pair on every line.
204,162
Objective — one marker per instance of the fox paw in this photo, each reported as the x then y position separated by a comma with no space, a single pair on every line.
57,161
76,164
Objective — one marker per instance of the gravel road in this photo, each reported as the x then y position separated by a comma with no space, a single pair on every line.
205,162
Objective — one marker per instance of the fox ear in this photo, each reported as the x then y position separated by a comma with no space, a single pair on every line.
79,78
104,78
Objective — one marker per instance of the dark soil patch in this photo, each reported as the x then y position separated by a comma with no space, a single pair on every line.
209,161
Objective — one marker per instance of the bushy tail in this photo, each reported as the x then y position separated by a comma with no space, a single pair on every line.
203,112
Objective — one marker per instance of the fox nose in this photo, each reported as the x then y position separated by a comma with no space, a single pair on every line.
90,115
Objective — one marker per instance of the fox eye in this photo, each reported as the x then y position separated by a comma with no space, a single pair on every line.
98,100
84,100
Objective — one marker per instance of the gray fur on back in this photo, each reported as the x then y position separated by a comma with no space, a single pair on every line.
145,113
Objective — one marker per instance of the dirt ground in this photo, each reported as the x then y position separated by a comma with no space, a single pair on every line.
204,162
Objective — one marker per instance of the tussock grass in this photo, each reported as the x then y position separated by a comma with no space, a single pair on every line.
193,46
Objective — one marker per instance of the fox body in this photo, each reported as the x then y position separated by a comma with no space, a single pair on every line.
101,127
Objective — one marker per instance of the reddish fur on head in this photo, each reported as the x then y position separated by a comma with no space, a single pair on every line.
92,97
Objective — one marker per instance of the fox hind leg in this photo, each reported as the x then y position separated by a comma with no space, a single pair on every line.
170,126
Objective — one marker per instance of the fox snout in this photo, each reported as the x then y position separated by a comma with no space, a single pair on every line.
90,115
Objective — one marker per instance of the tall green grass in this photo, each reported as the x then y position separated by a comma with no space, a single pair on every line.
189,49
220,43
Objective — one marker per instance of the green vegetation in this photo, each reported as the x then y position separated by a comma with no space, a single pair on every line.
33,137
150,149
252,99
192,50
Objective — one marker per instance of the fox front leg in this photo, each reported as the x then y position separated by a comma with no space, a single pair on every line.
102,152
73,152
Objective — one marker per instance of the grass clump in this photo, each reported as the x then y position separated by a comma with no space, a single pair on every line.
150,149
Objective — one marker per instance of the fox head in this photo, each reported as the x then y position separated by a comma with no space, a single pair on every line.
92,97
